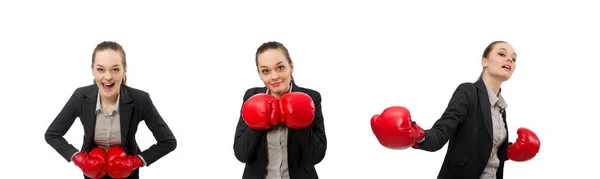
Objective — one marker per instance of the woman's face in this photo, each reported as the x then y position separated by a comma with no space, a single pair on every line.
108,72
275,71
501,62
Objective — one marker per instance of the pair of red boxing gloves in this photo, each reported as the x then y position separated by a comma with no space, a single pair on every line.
97,163
263,111
395,129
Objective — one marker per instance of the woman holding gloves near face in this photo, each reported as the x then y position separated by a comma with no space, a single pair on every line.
280,132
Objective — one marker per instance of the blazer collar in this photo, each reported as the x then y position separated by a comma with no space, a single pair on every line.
484,101
125,110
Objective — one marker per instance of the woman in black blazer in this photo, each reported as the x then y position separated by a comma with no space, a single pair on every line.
474,122
281,150
110,112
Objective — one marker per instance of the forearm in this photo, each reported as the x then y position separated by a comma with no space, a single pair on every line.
157,151
433,140
246,143
60,144
313,146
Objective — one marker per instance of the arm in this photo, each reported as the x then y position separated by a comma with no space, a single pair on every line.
313,139
246,139
166,141
61,124
443,129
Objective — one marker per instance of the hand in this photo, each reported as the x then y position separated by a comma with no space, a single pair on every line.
261,111
297,110
120,165
92,164
394,128
525,147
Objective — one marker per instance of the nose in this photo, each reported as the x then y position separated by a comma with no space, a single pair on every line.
274,76
510,60
107,76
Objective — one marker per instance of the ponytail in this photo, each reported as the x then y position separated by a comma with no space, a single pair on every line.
292,78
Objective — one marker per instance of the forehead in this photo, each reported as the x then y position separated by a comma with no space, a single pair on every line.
271,57
504,46
108,58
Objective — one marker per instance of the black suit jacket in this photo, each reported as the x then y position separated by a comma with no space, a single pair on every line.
135,106
467,123
306,147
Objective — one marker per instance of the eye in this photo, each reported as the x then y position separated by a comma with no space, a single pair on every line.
501,54
99,69
116,69
281,67
265,71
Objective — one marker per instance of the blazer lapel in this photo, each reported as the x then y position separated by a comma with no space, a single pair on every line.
88,117
125,110
485,107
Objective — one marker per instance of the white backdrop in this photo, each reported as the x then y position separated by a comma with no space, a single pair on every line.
197,60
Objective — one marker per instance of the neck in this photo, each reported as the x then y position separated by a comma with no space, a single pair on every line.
108,100
492,83
277,95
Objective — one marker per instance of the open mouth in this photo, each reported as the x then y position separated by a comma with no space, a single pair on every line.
508,67
108,86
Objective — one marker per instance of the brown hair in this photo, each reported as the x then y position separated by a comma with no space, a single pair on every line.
487,51
273,45
110,45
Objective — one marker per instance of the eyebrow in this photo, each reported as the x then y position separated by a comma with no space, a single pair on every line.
103,66
507,50
275,64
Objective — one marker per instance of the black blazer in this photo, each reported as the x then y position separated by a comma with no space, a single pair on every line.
467,123
306,147
135,106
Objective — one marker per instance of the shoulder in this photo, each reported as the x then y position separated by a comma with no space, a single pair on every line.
251,91
314,94
466,87
136,94
80,92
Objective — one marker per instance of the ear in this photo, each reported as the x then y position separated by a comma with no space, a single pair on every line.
484,62
291,67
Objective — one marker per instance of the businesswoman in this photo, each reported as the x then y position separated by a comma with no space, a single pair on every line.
280,133
474,122
110,112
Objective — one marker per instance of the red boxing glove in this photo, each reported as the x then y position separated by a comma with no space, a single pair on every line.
92,164
525,147
261,111
394,128
297,110
120,165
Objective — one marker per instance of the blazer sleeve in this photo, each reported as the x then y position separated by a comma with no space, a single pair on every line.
246,140
453,116
61,124
165,139
313,140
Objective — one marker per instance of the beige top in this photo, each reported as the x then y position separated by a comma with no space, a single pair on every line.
497,104
277,151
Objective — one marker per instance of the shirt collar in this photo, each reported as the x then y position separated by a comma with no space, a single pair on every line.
99,105
495,100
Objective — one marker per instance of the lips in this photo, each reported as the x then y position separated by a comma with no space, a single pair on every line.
108,86
507,67
276,84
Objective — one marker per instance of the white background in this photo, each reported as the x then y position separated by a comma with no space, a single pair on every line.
197,60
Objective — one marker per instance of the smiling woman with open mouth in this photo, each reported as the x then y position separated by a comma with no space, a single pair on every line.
110,112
